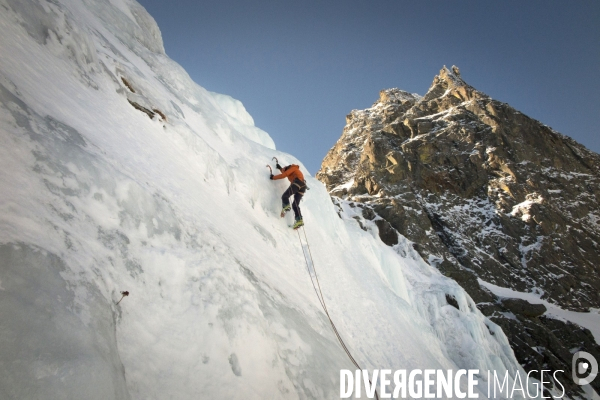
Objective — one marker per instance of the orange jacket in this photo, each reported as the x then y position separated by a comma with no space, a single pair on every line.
291,172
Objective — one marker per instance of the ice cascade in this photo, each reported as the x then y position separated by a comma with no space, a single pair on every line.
118,172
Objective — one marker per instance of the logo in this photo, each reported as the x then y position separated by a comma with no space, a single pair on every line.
584,368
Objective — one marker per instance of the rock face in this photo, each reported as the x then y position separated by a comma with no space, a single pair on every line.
483,192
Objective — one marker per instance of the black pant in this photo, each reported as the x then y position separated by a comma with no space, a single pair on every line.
297,188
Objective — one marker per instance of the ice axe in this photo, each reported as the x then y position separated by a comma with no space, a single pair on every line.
277,163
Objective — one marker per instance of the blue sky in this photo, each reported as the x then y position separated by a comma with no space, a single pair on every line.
300,66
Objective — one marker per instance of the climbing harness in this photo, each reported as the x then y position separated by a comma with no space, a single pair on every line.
300,185
321,298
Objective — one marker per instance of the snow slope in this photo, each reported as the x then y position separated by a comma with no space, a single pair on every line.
589,320
98,198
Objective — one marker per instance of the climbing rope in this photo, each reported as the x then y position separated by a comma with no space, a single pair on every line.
321,298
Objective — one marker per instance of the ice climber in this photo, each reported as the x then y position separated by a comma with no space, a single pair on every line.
297,188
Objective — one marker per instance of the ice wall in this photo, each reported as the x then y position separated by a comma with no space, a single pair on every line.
120,173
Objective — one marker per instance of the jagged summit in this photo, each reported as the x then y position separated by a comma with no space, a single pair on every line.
448,78
485,193
453,110
449,82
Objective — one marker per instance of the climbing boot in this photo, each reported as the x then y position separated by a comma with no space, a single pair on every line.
285,210
298,223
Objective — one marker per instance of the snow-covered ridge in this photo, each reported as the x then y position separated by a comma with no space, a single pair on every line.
177,209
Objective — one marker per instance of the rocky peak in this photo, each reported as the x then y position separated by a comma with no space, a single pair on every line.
456,146
448,79
448,83
484,193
